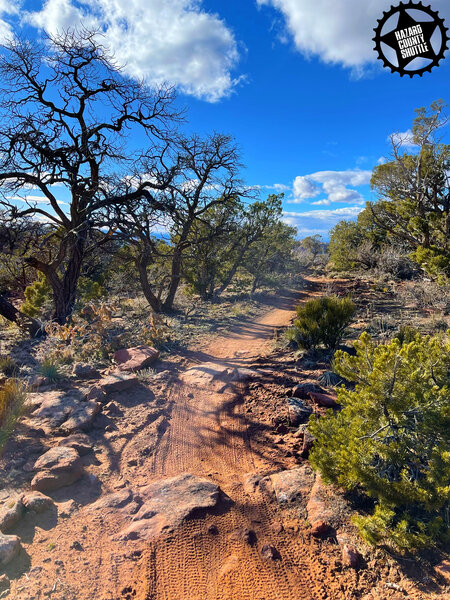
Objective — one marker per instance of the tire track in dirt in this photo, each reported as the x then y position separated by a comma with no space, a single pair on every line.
208,437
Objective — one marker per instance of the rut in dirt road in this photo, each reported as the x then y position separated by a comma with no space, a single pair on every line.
207,437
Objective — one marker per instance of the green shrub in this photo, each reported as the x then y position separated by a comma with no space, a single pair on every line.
406,334
36,295
392,437
322,321
12,402
49,368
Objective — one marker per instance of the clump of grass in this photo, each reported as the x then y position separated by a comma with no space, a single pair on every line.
50,369
8,366
145,374
12,402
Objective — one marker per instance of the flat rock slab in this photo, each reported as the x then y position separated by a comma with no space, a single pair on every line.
216,376
133,359
117,382
63,412
80,442
299,411
292,485
167,503
58,467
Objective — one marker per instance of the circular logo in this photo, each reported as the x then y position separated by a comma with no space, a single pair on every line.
410,39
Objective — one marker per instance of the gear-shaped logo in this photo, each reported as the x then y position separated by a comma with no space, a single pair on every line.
410,39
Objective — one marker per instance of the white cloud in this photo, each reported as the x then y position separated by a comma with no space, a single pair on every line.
174,41
321,220
7,8
403,139
338,31
332,183
304,187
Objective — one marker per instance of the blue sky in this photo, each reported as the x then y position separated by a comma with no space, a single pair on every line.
295,81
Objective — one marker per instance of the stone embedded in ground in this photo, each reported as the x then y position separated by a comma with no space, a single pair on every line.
308,443
292,484
443,569
134,359
10,514
298,411
216,376
168,502
63,411
96,393
319,513
350,556
59,467
302,390
326,400
269,552
113,501
85,371
117,382
37,502
79,441
9,548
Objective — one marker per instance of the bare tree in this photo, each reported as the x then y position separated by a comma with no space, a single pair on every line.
199,174
67,110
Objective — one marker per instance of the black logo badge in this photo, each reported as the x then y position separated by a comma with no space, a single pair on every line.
410,39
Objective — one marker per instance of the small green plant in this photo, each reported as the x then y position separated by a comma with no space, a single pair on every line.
322,321
406,334
36,295
12,401
49,368
145,374
8,366
392,437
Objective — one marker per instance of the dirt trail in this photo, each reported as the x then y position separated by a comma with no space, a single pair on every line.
207,437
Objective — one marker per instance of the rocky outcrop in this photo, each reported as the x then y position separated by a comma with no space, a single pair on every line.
58,467
63,412
134,359
215,376
167,503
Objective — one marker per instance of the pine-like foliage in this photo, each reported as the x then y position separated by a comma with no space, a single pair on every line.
392,437
322,321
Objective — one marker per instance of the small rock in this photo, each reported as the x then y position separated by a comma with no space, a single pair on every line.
327,400
308,443
117,382
292,484
133,359
112,410
269,552
85,371
302,390
277,527
11,515
58,467
132,462
37,502
9,548
319,528
66,509
212,529
298,411
39,381
96,393
319,514
77,546
79,442
350,556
